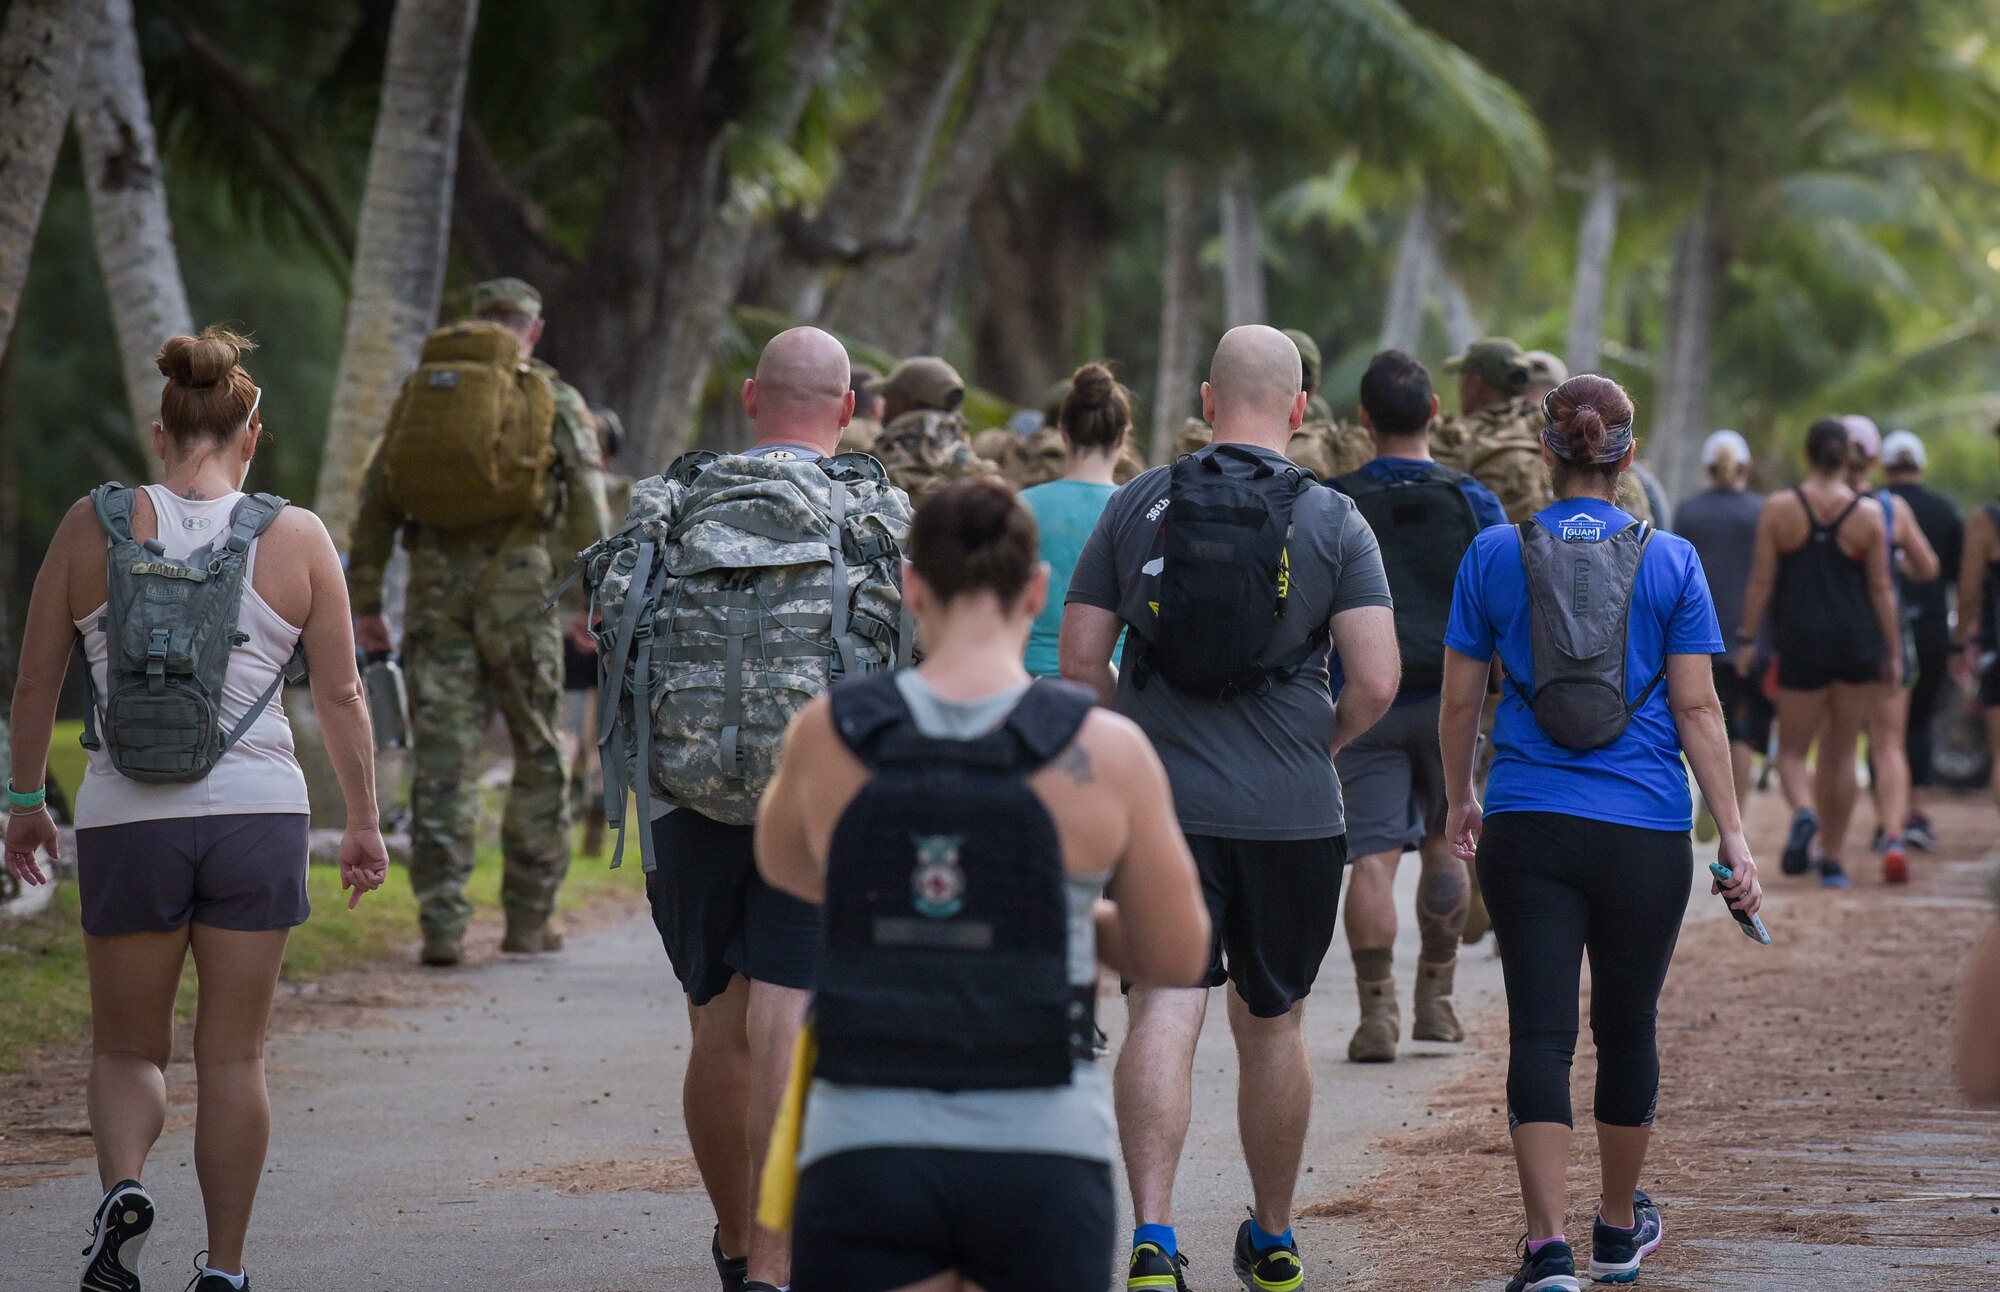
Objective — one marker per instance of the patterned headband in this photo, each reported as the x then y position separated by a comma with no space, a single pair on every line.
1617,439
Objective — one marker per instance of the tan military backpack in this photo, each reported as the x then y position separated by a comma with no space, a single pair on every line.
471,441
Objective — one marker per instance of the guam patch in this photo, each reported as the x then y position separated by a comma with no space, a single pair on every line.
937,885
1580,528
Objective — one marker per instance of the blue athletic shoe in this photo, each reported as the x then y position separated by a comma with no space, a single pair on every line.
1552,1269
1833,875
1797,858
1615,1254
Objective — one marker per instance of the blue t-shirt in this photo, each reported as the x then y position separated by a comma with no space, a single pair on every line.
1639,780
1066,511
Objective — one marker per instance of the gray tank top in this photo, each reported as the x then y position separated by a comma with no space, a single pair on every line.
1071,1121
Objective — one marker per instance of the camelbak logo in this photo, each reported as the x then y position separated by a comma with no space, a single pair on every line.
937,885
1580,528
1579,588
196,523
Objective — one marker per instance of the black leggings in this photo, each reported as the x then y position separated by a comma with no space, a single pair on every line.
1933,659
1558,886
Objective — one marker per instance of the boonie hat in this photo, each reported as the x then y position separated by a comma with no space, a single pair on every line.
927,382
509,294
1903,449
1496,360
1545,368
1712,447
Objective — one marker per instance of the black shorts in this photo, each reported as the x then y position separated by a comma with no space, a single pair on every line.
1274,905
717,916
1989,685
1746,710
243,873
1804,672
878,1219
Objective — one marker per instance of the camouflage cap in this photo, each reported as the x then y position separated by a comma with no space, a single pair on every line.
1309,363
1495,360
926,382
508,294
1545,369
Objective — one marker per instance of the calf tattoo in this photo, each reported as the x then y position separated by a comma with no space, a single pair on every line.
1444,900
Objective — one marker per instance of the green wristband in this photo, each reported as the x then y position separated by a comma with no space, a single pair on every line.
26,802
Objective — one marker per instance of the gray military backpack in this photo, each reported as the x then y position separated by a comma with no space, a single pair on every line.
737,590
169,627
1580,598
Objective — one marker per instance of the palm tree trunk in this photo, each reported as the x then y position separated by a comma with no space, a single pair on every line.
399,254
128,211
1461,326
1180,304
42,50
1595,238
1243,296
889,302
1691,308
1410,284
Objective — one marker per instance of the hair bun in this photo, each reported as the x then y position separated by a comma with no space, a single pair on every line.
1092,385
199,362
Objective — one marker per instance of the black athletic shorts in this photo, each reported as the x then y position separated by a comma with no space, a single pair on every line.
1989,687
1274,905
1801,673
878,1219
1746,711
245,873
717,916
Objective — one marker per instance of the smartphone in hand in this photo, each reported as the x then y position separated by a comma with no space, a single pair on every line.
1753,926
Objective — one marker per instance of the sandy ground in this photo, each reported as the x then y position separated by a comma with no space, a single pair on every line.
517,1124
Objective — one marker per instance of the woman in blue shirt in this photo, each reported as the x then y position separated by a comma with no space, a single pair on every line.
1095,419
1582,845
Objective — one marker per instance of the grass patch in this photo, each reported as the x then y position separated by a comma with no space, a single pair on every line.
46,989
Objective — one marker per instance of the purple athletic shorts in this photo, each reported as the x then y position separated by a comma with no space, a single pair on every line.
245,873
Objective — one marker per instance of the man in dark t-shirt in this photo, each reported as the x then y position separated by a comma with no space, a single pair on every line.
1928,606
1255,791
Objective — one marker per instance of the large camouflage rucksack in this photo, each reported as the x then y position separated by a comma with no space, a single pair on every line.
1326,449
1501,447
471,440
927,449
737,590
169,627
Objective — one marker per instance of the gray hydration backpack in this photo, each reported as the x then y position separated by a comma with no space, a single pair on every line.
169,628
737,590
1580,614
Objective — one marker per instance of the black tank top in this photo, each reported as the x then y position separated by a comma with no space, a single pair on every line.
1822,612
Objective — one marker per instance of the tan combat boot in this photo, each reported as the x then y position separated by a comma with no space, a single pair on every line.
529,935
1435,1018
1381,1023
441,951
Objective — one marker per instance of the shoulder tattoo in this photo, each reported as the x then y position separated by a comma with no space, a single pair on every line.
1075,762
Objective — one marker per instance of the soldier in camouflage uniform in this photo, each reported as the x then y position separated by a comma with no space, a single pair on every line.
1042,454
924,443
865,428
1323,444
475,639
1497,436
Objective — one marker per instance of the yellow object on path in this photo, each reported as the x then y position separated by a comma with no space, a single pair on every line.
780,1190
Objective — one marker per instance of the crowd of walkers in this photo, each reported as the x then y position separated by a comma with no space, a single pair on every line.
907,779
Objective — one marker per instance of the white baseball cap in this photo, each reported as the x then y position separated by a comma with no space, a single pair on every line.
1863,434
1903,449
1714,446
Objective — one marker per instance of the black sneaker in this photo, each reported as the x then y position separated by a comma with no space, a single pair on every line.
732,1270
1615,1254
1152,1270
117,1232
1797,859
214,1282
1552,1269
1275,1269
1833,875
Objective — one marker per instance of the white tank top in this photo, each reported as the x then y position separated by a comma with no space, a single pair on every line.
261,773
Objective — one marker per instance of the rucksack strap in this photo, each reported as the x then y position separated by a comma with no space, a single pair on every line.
614,703
1049,716
863,711
253,515
836,501
114,503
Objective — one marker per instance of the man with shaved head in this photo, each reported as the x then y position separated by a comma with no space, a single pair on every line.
743,951
1237,575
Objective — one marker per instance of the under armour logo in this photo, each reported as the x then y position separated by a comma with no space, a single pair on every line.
196,522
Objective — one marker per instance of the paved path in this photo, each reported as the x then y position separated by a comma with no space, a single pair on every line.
394,1143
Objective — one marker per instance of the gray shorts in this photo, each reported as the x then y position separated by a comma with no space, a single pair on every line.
1392,781
244,873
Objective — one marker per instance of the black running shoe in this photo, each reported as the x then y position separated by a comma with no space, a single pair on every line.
732,1270
1552,1269
1797,859
1275,1269
202,1282
117,1233
1833,875
1152,1270
1615,1254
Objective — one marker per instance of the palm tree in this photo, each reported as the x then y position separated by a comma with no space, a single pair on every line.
41,59
1596,236
399,255
128,210
1180,301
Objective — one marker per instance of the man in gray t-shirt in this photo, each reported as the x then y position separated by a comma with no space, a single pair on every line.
1255,791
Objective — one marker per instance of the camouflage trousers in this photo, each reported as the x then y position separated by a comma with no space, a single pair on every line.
475,640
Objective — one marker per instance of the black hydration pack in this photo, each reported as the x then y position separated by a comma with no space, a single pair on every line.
1223,558
1580,597
946,963
1424,525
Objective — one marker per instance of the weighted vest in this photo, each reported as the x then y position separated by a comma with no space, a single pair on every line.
1423,523
946,963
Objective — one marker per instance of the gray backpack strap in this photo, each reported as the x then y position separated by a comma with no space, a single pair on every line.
91,739
614,707
247,523
114,504
843,636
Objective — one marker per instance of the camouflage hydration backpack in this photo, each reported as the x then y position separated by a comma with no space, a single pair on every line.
169,627
471,440
737,590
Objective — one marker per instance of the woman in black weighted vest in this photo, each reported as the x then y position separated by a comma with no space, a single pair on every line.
980,840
